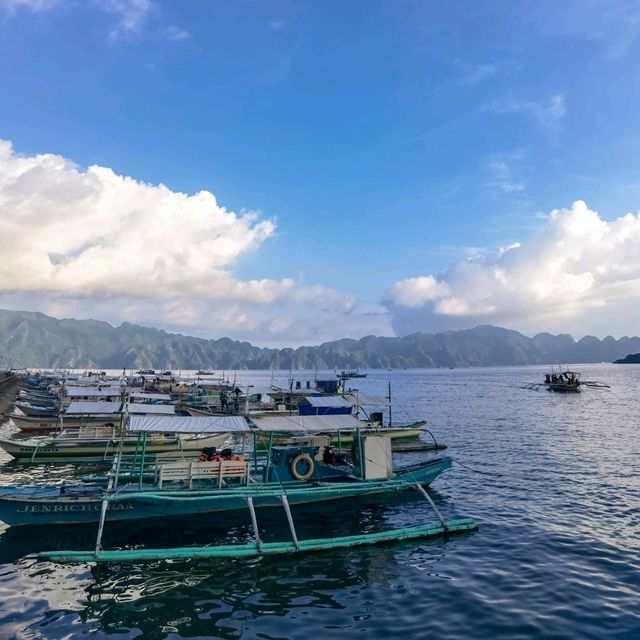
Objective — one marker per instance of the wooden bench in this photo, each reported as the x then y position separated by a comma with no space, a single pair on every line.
217,471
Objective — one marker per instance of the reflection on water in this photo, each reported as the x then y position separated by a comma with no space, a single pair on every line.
552,479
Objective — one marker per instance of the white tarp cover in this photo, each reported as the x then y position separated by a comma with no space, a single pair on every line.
189,424
371,401
329,401
346,422
142,395
93,407
92,392
152,409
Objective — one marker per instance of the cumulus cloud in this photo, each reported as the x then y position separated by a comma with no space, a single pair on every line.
579,273
93,233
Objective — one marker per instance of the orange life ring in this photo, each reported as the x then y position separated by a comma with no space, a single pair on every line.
294,466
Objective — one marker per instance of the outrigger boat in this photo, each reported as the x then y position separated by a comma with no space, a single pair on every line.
291,475
99,441
566,382
348,375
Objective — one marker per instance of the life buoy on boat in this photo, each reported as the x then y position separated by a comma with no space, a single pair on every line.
310,466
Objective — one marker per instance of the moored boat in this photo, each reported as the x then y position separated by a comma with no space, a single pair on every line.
100,446
291,476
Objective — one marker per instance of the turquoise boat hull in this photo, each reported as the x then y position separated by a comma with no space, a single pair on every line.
83,504
253,550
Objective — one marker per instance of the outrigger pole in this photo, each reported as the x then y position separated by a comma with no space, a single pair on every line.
113,477
265,548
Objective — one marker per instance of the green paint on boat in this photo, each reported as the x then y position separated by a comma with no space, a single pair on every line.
265,548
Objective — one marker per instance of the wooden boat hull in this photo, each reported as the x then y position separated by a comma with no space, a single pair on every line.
406,432
50,505
32,410
34,424
569,387
101,448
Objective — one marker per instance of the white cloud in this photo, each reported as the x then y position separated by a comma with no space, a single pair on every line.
578,273
32,5
276,24
479,72
176,33
547,114
131,16
611,24
94,234
501,175
264,325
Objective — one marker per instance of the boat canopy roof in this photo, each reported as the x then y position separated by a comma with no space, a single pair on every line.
142,395
92,392
93,407
307,424
189,424
152,409
240,424
371,401
329,401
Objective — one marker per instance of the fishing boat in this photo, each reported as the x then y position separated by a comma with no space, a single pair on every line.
98,440
566,381
349,374
290,476
6,376
98,443
85,413
43,425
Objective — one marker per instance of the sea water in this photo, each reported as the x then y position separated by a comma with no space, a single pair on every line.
553,481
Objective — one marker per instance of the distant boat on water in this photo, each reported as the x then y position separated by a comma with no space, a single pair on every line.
349,374
566,381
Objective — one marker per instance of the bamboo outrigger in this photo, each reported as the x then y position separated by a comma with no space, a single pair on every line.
291,475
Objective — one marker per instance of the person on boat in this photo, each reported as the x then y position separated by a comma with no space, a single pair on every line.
328,455
547,377
208,454
224,402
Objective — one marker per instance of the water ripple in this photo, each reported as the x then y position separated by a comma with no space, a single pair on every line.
557,554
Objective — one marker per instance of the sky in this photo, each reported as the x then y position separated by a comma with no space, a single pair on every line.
293,172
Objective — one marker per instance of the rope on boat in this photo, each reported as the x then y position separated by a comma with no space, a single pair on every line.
484,473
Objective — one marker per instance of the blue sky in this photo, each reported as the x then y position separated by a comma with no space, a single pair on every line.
390,144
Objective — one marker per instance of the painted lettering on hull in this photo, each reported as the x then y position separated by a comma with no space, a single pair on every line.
73,508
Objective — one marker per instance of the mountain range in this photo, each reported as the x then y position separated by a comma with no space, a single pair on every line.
29,339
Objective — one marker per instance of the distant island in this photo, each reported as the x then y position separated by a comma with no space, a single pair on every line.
30,339
632,358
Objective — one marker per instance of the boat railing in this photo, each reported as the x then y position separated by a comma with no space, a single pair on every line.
217,470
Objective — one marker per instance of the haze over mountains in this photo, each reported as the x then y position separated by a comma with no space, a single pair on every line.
30,339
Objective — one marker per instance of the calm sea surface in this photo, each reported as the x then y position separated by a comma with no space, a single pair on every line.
553,481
